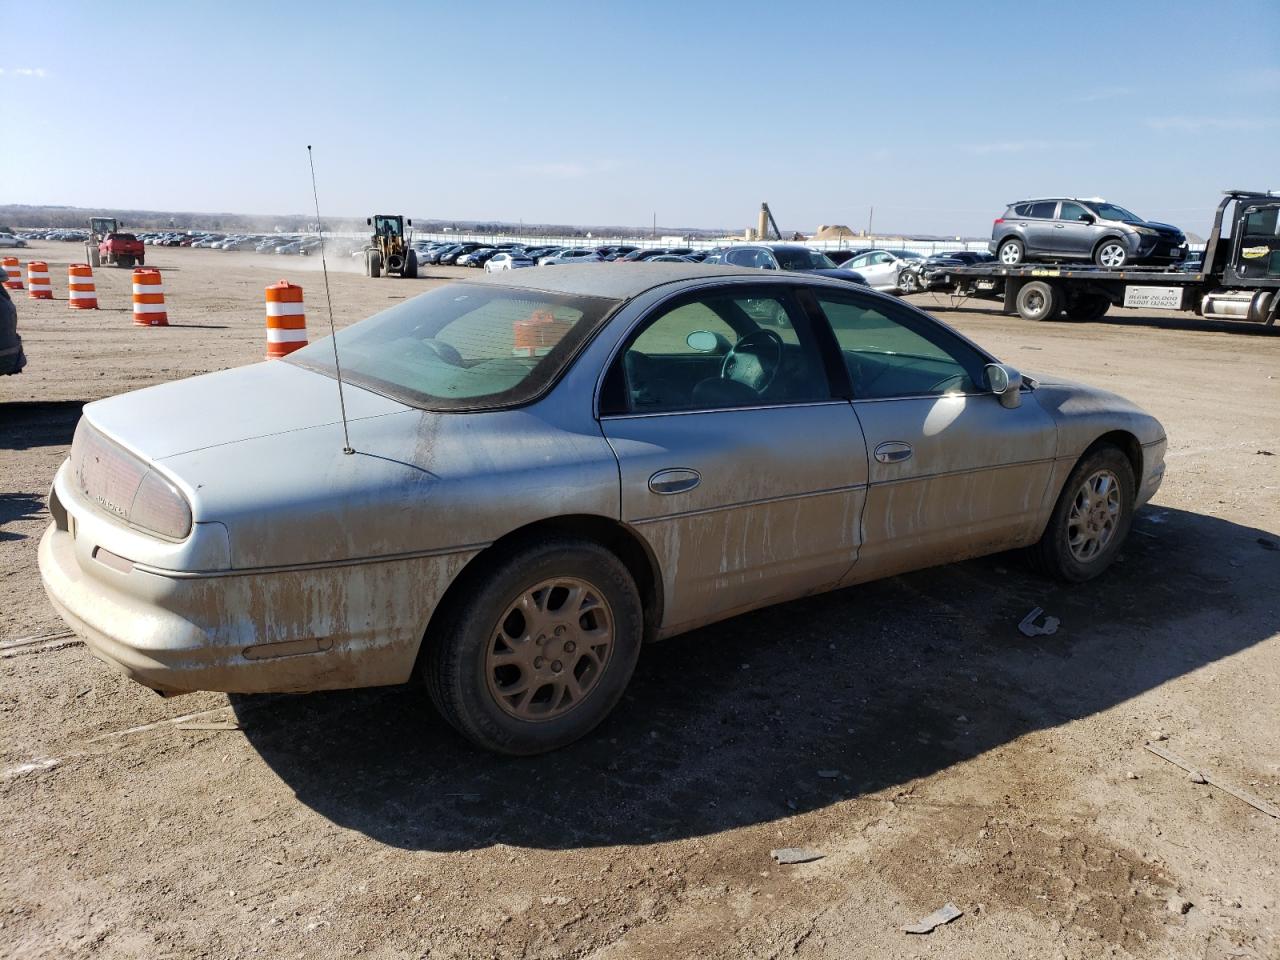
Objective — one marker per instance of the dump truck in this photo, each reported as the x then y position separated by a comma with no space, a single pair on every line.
388,250
1238,279
107,246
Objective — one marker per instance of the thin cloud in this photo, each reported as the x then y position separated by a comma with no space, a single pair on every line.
1021,146
1261,78
1192,124
564,169
38,73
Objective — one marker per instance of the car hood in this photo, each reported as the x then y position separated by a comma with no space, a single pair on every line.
263,399
1168,228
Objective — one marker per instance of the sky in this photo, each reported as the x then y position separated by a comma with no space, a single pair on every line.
935,114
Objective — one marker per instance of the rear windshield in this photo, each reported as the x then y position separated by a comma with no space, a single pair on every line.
465,346
802,259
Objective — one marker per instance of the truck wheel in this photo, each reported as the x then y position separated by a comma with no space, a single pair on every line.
410,266
1091,520
1088,308
540,650
92,256
373,264
1038,300
1111,253
1011,253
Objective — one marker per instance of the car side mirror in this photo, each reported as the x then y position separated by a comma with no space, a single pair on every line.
1088,218
1006,383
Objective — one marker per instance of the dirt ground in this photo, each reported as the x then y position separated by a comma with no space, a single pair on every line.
905,729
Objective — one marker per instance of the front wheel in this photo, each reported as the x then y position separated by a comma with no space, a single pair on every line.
410,266
1091,520
908,283
373,265
540,651
1111,254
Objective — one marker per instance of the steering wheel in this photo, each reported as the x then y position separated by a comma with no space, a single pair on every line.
444,351
754,360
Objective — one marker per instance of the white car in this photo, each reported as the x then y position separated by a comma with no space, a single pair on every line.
571,256
507,261
881,268
9,240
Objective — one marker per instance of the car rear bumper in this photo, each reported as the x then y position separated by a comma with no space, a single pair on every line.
291,630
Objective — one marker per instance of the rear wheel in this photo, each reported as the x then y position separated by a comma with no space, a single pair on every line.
410,266
541,649
1088,308
92,256
1111,253
1091,519
1011,252
1038,300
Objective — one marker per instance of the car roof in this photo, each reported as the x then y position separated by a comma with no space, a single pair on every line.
620,283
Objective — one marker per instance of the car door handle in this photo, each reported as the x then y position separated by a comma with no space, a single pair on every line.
1057,226
893,451
675,480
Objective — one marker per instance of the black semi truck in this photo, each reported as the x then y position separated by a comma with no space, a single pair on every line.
1239,278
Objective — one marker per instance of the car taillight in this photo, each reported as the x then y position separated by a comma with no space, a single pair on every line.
127,486
997,221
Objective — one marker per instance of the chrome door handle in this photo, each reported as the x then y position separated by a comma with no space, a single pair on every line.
1057,226
893,451
675,480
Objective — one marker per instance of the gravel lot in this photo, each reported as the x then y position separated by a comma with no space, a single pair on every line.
905,729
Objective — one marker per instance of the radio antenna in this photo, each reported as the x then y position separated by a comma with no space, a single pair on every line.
333,333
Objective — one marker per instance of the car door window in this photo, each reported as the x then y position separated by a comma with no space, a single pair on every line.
746,350
1071,211
1043,209
893,352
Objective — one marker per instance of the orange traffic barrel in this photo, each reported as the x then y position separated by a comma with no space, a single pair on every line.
13,273
286,319
148,298
536,336
38,286
81,293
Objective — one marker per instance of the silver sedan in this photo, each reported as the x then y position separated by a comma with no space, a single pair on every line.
544,470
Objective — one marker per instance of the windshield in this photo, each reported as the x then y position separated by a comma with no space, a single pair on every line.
802,259
1109,211
463,346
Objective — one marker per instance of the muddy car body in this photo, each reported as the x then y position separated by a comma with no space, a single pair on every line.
550,467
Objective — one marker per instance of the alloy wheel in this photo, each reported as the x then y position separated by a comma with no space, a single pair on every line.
549,649
1113,255
1094,516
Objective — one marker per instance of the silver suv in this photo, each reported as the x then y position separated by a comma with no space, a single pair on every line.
1068,228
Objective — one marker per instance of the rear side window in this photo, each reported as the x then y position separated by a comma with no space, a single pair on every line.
1021,210
1043,208
719,351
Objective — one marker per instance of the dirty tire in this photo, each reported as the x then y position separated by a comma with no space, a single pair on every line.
1088,308
1053,555
456,667
410,266
373,265
1038,300
1011,253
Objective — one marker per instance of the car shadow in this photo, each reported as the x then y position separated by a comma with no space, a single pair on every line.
728,726
18,506
38,423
